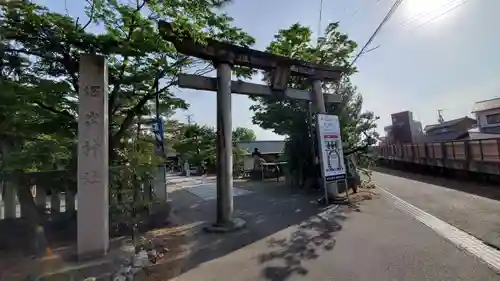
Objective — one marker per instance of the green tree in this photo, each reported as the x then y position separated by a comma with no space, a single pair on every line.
141,64
39,64
240,134
243,134
196,144
290,117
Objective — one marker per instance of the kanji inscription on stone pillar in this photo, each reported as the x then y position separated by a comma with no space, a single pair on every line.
92,196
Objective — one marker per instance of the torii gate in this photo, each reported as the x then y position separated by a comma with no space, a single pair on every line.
93,237
224,56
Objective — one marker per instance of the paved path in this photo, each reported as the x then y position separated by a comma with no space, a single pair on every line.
471,207
205,191
287,239
174,181
209,191
379,243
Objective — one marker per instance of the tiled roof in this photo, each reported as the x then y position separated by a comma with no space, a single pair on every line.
446,124
486,105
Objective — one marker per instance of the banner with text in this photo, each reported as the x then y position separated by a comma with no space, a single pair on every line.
330,147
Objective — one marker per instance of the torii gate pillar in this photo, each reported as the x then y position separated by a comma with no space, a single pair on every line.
225,220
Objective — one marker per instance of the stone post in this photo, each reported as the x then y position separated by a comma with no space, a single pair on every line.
40,196
9,200
160,185
93,167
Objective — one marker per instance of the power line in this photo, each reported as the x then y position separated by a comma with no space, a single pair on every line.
437,16
355,13
379,27
377,30
423,14
419,15
442,14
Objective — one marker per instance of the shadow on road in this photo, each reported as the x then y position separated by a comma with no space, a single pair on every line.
287,255
481,189
269,209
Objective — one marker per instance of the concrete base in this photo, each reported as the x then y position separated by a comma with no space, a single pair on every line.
334,200
234,225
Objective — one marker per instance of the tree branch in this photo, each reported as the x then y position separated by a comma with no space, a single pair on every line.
91,16
131,113
113,98
32,53
64,113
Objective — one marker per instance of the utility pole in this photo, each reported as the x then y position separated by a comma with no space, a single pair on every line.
189,118
440,116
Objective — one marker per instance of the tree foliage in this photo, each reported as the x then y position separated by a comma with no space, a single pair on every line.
39,77
243,134
197,144
40,60
290,117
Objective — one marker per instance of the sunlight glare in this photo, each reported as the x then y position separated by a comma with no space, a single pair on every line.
420,11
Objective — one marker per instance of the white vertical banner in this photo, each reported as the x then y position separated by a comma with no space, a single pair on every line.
330,148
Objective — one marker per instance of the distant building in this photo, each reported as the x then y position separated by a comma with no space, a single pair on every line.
269,151
264,147
403,129
488,115
449,130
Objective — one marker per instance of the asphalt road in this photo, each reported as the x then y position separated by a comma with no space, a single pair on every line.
379,242
471,207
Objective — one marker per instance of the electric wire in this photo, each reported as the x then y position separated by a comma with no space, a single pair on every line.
353,15
424,13
442,14
388,16
445,12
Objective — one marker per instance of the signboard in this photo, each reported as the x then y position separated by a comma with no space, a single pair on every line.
157,128
330,148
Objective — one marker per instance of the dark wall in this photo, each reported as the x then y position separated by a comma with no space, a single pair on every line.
401,128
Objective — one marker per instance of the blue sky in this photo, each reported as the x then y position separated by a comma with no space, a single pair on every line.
431,56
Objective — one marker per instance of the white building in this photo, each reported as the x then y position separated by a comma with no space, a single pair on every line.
488,115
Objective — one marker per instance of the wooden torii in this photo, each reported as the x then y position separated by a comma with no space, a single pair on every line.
224,56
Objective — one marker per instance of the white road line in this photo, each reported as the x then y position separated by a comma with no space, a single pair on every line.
329,212
459,238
